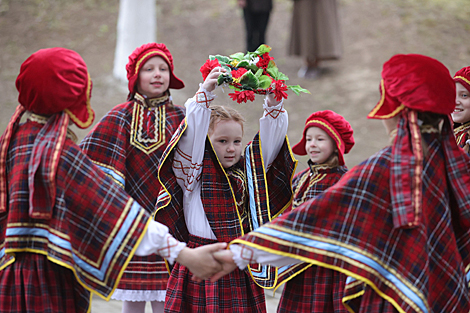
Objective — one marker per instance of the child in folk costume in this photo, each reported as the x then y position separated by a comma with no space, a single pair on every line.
214,194
326,137
461,115
67,228
399,222
128,144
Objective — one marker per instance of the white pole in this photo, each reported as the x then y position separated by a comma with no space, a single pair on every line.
137,25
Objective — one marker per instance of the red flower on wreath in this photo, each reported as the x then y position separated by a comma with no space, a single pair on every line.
264,60
242,96
279,90
207,67
238,72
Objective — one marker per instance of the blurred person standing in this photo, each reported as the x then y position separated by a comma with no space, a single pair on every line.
256,15
315,34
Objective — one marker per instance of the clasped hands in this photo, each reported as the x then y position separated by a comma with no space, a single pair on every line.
208,262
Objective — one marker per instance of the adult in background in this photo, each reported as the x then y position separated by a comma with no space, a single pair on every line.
315,34
256,15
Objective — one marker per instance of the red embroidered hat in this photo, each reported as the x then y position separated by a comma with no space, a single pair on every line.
463,76
55,80
417,82
335,126
138,58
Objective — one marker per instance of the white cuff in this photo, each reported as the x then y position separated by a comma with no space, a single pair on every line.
242,255
204,97
274,111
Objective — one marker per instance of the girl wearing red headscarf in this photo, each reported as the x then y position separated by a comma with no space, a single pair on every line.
461,115
398,224
67,229
327,136
127,144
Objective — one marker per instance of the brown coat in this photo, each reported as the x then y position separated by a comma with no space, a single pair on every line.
315,31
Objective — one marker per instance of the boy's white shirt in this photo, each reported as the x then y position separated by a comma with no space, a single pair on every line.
187,166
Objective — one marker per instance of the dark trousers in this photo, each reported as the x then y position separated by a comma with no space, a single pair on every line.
255,25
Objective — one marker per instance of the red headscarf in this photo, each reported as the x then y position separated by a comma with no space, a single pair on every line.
463,76
52,82
410,84
335,126
409,80
138,58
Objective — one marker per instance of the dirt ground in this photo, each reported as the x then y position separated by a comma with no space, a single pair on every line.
372,31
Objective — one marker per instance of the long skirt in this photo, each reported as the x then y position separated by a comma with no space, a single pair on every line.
235,292
34,284
316,290
315,32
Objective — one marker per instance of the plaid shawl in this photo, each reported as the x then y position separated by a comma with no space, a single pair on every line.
462,135
262,197
307,185
127,144
129,141
94,226
420,269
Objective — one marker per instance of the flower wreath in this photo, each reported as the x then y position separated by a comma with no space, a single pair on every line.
249,74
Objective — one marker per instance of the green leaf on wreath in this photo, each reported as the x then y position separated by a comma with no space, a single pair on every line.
249,80
237,56
243,63
263,49
223,59
274,72
224,78
264,82
297,89
259,72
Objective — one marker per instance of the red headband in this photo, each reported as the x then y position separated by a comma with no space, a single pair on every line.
335,126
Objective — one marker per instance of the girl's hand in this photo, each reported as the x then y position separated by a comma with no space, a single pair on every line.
271,101
200,260
211,80
225,257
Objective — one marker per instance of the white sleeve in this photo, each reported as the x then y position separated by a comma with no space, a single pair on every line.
273,131
189,153
244,255
157,240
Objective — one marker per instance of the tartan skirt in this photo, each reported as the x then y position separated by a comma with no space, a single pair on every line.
315,290
34,284
233,292
144,279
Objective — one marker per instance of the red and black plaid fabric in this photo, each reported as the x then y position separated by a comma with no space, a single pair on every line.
310,288
229,220
350,228
224,221
312,181
235,292
94,226
34,284
128,144
462,135
317,289
221,211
